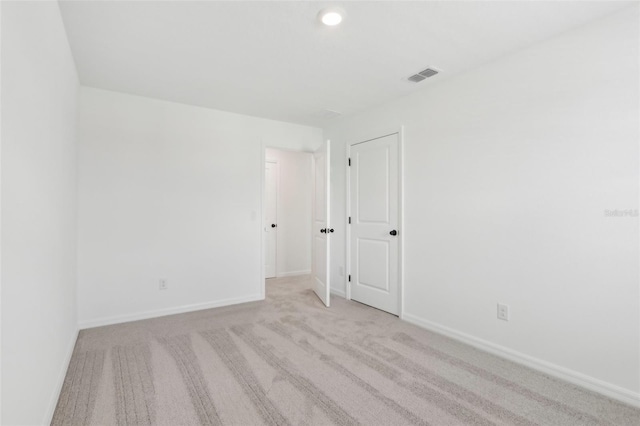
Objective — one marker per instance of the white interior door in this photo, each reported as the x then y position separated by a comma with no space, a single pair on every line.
321,230
271,218
374,207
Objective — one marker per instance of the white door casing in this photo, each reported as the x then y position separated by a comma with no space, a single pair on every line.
321,231
374,206
271,218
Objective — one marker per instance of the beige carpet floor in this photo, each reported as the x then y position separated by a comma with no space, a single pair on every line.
290,361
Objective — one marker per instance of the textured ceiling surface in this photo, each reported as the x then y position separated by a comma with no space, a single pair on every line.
275,60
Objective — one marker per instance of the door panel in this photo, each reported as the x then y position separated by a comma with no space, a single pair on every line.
271,218
373,264
321,246
373,186
374,209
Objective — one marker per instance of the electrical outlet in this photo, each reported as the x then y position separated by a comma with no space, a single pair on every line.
503,312
163,284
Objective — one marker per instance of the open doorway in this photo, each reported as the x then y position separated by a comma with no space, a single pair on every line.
288,198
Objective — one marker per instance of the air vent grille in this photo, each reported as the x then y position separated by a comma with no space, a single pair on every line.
422,75
429,72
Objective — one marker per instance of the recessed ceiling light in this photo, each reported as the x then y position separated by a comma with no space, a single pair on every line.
331,16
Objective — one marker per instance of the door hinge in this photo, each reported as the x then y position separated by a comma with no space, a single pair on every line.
349,162
349,220
349,278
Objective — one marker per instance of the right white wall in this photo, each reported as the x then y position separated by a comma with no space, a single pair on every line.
508,172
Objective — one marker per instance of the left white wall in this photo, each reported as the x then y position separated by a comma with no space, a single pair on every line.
170,191
38,191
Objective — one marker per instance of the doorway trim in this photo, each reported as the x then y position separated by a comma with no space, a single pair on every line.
263,206
401,225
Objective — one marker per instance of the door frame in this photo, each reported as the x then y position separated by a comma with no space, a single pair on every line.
263,207
401,226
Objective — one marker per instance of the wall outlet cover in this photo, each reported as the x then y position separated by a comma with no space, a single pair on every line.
503,312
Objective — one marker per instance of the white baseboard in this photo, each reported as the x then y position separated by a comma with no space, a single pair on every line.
294,273
53,401
339,293
99,322
568,375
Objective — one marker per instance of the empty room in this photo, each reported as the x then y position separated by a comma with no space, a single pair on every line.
317,213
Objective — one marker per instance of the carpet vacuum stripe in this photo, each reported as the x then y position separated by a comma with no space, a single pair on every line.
79,389
221,342
411,418
336,413
584,418
180,349
133,383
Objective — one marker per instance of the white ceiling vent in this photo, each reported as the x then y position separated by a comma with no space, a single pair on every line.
416,78
429,72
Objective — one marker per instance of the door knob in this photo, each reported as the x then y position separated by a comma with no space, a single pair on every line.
323,230
394,232
331,230
273,225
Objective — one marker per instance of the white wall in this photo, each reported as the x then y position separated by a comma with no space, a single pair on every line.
39,87
294,211
508,171
170,191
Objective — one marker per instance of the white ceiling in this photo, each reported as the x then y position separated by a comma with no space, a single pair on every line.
274,60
